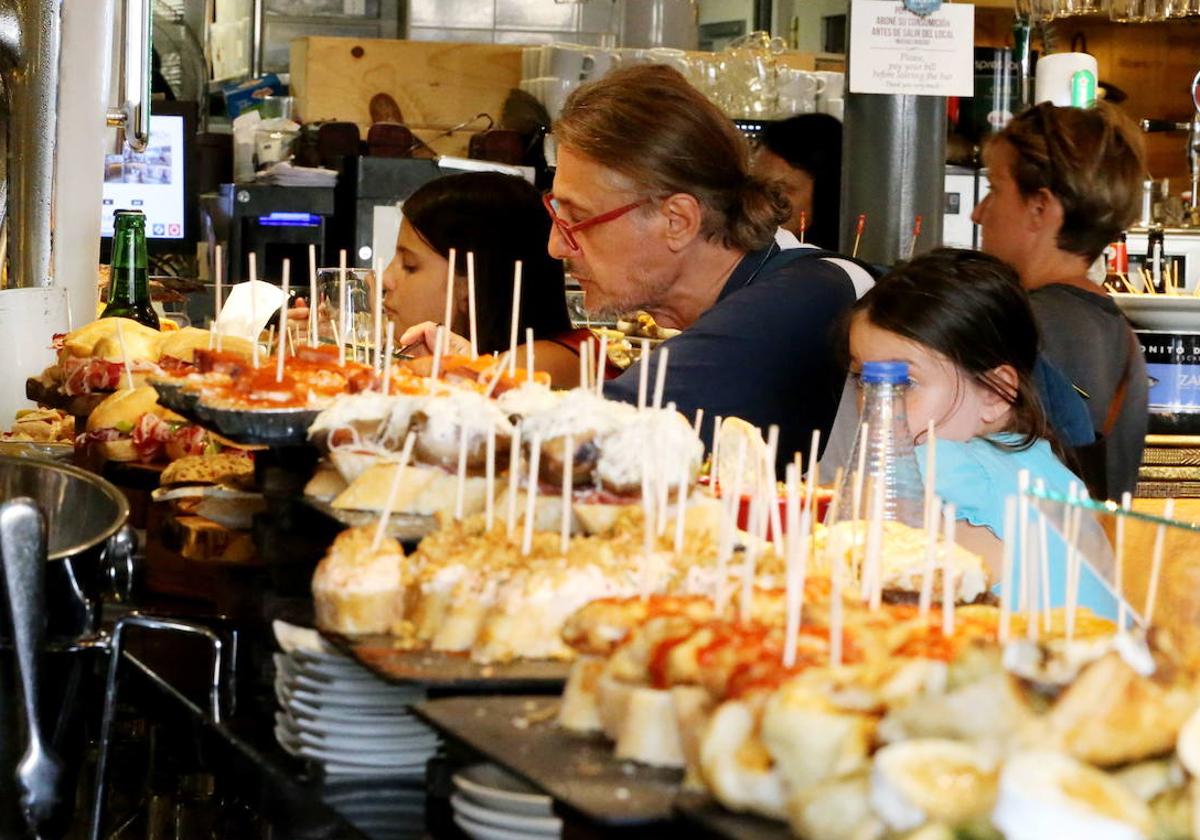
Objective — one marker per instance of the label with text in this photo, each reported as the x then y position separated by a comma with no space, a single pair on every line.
895,51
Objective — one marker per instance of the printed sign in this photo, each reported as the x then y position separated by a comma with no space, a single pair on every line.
897,52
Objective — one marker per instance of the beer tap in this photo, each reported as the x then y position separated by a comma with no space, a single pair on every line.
1193,146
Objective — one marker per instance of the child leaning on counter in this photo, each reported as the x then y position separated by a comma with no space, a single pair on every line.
962,322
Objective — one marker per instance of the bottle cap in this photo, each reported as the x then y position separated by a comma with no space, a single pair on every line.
136,214
889,373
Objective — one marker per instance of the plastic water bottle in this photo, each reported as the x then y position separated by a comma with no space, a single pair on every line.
889,458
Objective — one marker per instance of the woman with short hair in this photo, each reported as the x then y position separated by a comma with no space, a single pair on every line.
1064,183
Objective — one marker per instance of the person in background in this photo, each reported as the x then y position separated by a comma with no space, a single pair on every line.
1064,182
499,218
964,326
804,153
655,208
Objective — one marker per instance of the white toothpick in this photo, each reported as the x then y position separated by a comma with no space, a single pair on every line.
514,476
750,557
698,421
1044,555
516,318
531,491
685,472
377,317
313,301
254,309
124,356
601,365
284,284
660,376
438,344
218,300
1006,568
471,322
489,515
931,524
647,569
643,374
1023,536
948,594
393,490
529,354
498,370
448,313
389,345
460,475
584,383
791,560
769,490
810,491
1160,536
1069,587
564,519
873,581
1119,574
342,313
856,498
716,453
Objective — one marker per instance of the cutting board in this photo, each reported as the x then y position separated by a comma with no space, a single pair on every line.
436,84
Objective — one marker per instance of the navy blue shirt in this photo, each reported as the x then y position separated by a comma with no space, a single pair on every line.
767,351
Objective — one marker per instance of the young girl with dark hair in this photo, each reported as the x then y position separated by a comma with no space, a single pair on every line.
500,219
962,322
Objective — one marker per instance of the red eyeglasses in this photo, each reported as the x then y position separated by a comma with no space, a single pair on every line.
568,229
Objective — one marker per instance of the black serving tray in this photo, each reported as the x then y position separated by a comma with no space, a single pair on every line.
702,812
579,772
449,673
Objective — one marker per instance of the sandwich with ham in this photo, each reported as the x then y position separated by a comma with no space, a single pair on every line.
130,425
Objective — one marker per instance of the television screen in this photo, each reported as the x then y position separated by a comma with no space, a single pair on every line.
152,181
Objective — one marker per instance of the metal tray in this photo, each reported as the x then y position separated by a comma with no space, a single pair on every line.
579,772
406,527
262,426
447,672
706,815
174,396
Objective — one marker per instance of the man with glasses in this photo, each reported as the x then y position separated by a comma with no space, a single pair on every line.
654,208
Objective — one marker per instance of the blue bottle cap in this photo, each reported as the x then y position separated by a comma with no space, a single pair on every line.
889,373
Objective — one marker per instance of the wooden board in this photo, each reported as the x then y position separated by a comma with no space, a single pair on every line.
440,671
580,772
437,85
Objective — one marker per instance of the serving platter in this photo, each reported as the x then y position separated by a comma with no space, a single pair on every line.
701,812
579,772
248,426
449,672
1172,313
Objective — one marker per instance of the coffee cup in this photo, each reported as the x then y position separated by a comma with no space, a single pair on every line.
564,61
798,91
835,84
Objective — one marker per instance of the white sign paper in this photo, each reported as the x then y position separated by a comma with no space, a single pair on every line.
895,51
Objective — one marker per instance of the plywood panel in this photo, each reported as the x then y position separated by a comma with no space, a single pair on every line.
436,84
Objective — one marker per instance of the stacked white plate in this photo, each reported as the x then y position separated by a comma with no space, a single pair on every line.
491,804
335,712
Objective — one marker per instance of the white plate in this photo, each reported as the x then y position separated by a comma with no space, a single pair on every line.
1170,313
416,771
505,819
299,708
416,753
480,831
365,702
287,740
372,744
493,788
371,692
399,728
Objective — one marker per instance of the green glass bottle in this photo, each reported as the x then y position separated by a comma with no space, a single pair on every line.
129,283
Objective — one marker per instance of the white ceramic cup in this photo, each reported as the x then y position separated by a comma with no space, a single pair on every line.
598,63
798,91
835,107
835,84
1052,76
564,61
672,58
531,62
554,94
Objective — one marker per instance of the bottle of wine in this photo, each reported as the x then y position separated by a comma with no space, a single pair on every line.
129,284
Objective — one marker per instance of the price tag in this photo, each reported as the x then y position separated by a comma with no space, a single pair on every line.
894,51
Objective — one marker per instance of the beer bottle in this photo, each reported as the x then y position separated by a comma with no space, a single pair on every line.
128,283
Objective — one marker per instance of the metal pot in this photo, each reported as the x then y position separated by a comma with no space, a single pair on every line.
89,543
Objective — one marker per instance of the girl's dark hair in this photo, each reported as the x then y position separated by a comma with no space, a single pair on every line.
970,308
501,219
813,143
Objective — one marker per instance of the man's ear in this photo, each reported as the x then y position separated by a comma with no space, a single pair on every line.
684,217
995,405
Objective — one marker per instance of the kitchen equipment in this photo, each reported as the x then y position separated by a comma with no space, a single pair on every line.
1055,75
1192,148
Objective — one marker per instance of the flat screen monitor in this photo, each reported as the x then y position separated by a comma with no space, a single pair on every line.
156,181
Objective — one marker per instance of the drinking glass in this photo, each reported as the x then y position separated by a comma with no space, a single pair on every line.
351,323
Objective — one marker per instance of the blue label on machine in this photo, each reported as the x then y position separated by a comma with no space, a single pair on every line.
1173,365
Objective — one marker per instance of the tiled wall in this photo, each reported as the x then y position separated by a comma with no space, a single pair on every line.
514,21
